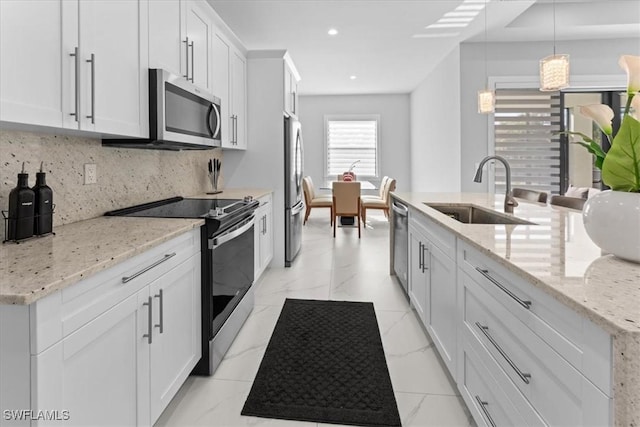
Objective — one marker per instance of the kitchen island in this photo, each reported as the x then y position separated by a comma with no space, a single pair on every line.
553,260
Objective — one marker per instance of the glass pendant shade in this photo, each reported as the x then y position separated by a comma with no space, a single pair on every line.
486,101
554,73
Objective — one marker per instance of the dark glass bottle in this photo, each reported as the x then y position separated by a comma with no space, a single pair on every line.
21,209
43,204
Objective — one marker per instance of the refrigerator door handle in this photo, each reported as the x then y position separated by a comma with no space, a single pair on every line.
299,207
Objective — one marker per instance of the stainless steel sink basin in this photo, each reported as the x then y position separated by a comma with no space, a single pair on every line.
471,214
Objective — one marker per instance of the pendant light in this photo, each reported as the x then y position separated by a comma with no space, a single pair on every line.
554,69
486,97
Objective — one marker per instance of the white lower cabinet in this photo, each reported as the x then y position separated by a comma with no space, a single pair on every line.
432,284
519,357
112,349
263,240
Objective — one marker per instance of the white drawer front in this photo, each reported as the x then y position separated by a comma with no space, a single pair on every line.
558,392
584,345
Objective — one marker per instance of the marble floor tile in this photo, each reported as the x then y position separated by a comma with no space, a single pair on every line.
340,268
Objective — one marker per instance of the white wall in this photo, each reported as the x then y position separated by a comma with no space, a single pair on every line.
513,61
435,128
394,131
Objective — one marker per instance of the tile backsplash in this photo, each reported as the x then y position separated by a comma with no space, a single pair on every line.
125,177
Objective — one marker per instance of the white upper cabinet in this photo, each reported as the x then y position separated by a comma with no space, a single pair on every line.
229,84
291,79
78,64
199,26
32,55
167,36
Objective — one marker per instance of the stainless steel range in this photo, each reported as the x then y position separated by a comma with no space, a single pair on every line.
227,265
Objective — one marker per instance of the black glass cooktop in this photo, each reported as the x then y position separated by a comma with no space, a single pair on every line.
178,207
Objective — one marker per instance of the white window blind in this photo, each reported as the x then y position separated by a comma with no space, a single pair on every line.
523,122
349,141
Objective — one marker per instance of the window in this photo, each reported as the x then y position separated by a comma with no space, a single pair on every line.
524,123
351,139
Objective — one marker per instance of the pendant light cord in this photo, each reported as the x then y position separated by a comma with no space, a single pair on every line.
486,73
554,27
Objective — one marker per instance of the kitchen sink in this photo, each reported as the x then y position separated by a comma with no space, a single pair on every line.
471,214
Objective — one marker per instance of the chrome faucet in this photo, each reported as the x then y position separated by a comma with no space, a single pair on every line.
509,201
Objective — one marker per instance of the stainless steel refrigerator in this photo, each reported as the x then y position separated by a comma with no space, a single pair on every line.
293,196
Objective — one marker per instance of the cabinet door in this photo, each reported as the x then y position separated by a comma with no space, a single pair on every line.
199,26
239,101
417,278
266,241
176,331
288,103
167,36
34,57
220,84
113,93
441,299
100,373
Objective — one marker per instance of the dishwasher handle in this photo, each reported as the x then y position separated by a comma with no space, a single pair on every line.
399,209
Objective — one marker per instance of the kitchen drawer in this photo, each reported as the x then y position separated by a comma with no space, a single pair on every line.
437,235
491,403
584,345
64,311
558,392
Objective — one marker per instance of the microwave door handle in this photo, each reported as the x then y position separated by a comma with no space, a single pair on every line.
209,128
218,120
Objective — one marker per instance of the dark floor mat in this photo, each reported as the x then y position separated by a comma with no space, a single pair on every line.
325,363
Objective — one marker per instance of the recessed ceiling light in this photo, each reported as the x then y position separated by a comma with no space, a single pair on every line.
353,77
332,32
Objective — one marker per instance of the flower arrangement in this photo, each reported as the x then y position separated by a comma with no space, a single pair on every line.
621,164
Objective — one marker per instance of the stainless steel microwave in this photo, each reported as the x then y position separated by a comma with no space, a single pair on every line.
182,116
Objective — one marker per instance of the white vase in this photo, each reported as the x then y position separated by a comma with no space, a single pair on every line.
612,221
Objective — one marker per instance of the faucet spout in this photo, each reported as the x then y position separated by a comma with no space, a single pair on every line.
509,201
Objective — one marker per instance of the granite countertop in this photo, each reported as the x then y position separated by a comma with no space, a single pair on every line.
556,255
38,267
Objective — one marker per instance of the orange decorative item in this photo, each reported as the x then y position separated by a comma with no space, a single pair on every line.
348,176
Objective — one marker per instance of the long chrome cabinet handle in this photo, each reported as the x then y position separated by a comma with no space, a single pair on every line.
420,253
186,48
483,406
93,88
149,335
485,330
144,270
424,258
485,273
76,54
192,55
160,325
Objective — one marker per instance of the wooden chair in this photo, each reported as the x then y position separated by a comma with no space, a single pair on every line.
346,201
313,201
568,202
532,195
378,202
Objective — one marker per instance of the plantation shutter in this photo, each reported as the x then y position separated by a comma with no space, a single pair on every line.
524,120
349,141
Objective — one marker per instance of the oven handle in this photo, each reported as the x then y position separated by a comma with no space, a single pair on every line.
217,241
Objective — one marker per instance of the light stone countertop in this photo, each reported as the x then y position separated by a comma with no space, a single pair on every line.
558,257
40,266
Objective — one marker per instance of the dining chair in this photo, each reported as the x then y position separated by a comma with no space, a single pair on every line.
313,201
568,202
346,201
378,203
532,195
380,194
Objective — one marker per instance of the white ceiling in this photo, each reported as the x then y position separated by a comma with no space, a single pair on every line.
375,40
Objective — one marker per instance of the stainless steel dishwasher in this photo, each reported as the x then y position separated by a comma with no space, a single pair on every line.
401,243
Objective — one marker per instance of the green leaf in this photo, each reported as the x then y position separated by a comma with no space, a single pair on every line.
595,149
621,166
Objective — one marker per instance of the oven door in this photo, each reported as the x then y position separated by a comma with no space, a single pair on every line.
232,270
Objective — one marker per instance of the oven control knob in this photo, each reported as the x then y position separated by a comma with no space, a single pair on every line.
247,199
